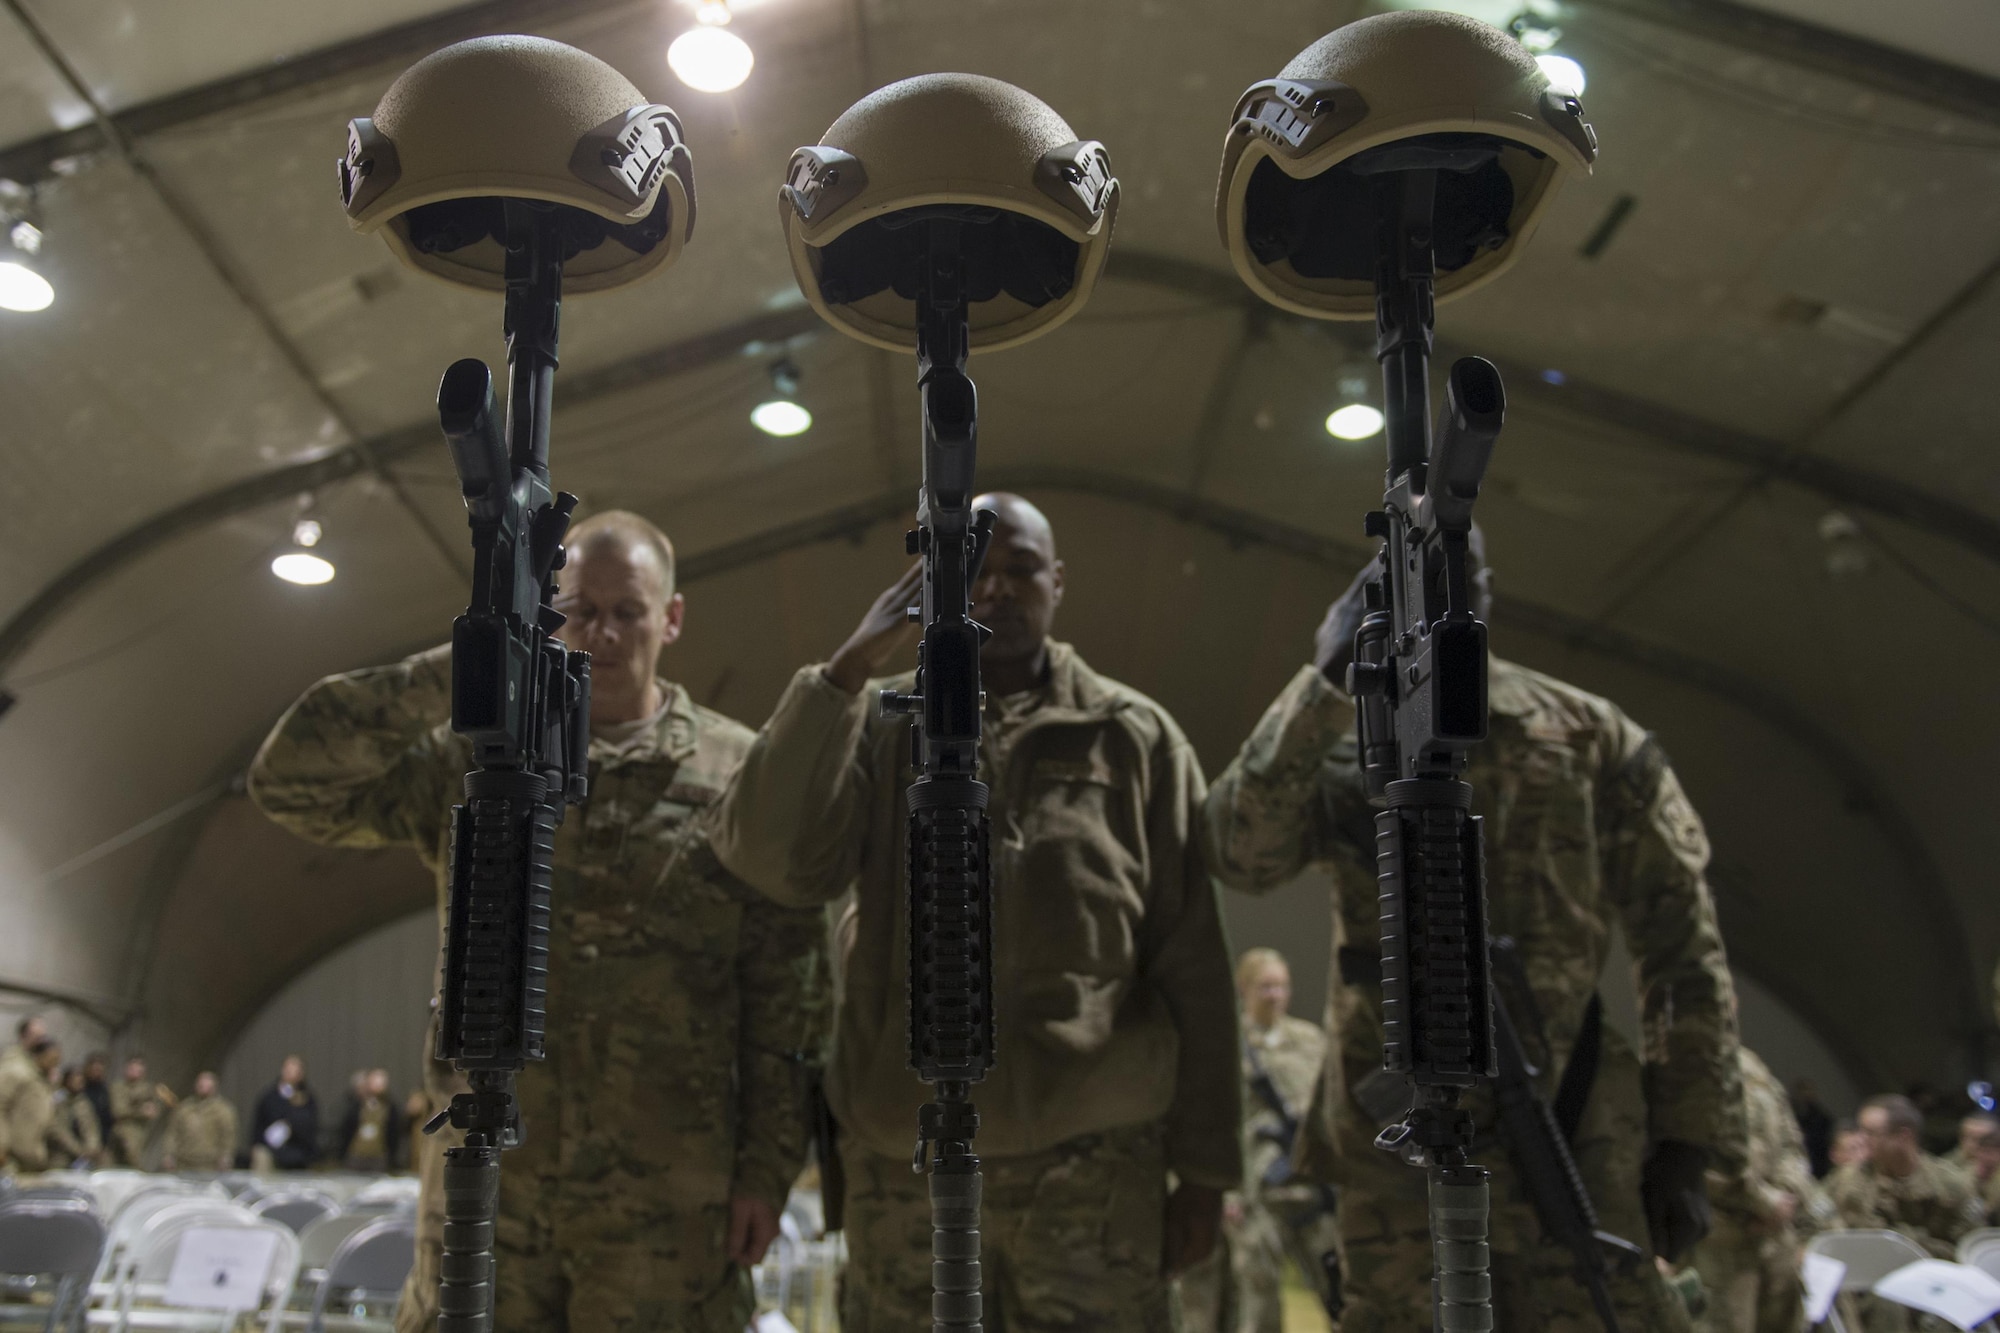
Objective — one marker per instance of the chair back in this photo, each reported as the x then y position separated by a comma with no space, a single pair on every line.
1983,1255
297,1209
374,1260
1869,1255
319,1241
387,1194
54,1236
159,1247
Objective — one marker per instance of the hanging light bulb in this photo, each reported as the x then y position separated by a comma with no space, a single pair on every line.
1356,421
22,287
708,57
301,565
1564,75
781,416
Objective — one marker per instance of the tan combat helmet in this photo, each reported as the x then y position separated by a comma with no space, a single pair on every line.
980,146
1300,230
522,118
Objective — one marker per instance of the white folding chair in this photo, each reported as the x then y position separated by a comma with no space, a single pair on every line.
51,1237
133,1233
297,1209
1869,1256
369,1265
1981,1250
386,1194
319,1242
156,1250
130,1217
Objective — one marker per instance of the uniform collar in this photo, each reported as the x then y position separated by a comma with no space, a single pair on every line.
675,733
1074,688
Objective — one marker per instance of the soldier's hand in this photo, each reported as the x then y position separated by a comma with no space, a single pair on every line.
753,1225
1675,1191
1193,1224
1333,642
883,634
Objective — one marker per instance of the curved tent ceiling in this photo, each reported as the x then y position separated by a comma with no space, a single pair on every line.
1794,318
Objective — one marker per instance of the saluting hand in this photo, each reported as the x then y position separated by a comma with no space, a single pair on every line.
1333,642
883,635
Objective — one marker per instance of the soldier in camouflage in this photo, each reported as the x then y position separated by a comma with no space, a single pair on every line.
1587,830
1901,1187
1764,1214
136,1112
1117,1046
74,1136
27,1105
663,1131
1240,1288
201,1134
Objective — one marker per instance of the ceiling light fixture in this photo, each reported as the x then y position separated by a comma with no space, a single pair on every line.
708,57
781,416
1356,421
1564,75
303,567
22,288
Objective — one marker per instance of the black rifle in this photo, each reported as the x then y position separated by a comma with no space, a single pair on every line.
523,700
1541,1150
950,880
1419,678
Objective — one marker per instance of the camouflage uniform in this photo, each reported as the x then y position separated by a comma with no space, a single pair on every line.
201,1136
1934,1205
136,1109
1239,1289
1749,1264
1117,1038
680,1005
74,1135
1586,829
27,1109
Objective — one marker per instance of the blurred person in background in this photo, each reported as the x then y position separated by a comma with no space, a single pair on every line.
75,1138
29,1030
286,1123
1985,1172
201,1133
1240,1288
1971,1129
27,1103
1849,1145
138,1108
1764,1213
97,1092
373,1128
1815,1125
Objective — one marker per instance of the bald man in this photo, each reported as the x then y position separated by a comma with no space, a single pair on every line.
663,1131
1116,1017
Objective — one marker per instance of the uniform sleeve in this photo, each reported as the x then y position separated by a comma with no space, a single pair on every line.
1186,958
1656,852
786,996
793,820
28,1127
227,1115
1265,818
365,759
63,1138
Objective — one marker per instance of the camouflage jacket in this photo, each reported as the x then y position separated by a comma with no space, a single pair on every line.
1112,992
1290,1052
1586,828
201,1135
680,1003
1776,1167
1934,1205
74,1134
136,1109
27,1107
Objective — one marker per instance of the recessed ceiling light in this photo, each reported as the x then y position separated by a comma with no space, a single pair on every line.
710,59
23,289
